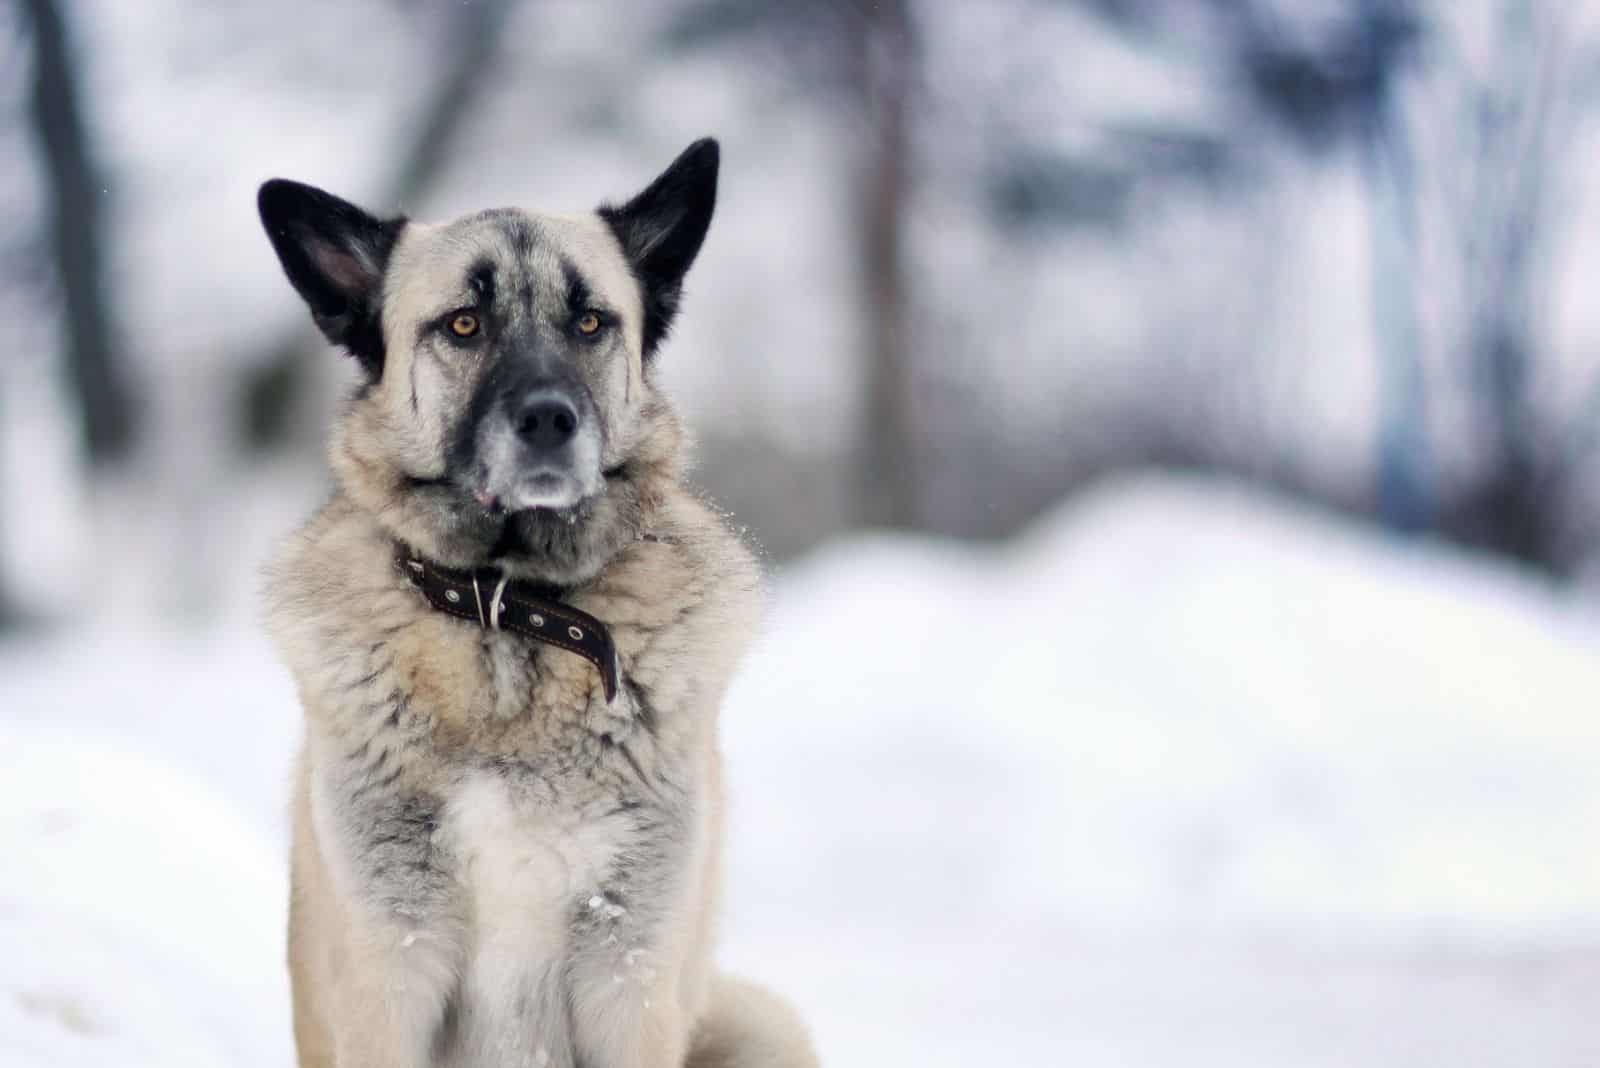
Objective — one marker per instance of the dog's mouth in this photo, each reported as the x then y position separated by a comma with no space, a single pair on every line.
547,490
554,540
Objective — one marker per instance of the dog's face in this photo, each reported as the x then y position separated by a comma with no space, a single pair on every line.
507,412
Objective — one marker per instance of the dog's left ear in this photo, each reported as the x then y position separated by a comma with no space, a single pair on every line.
335,255
661,231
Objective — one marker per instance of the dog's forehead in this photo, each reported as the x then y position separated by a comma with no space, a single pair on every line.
434,265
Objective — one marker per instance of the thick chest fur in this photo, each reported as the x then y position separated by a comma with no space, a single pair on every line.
526,868
525,853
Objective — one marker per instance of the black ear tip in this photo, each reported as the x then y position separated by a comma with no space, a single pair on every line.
278,194
269,192
704,155
274,188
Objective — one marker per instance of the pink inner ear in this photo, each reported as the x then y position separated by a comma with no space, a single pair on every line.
344,268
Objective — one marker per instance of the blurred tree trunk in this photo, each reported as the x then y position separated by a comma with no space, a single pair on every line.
278,380
885,68
1405,482
1517,505
11,615
95,380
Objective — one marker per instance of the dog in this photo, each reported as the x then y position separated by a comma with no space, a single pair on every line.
511,628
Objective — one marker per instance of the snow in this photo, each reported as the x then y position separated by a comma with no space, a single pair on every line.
1181,776
123,944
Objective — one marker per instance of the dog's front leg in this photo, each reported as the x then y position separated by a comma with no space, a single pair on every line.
631,1030
375,940
390,1005
370,988
627,1008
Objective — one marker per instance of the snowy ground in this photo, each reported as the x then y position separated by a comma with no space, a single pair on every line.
1180,778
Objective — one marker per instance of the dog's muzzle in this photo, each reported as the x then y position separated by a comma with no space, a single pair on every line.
538,446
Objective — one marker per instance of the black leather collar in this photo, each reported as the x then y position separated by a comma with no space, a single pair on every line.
486,597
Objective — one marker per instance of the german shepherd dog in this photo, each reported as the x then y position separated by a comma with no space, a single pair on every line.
511,628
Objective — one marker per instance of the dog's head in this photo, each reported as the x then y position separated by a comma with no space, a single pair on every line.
506,412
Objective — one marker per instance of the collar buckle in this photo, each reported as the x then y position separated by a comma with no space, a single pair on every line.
527,610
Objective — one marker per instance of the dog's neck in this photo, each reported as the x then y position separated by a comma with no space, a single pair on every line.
536,611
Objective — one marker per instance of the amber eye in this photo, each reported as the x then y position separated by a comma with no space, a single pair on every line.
588,324
464,325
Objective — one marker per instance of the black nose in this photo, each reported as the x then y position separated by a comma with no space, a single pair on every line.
546,419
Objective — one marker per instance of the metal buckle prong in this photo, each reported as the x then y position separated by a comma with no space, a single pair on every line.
496,603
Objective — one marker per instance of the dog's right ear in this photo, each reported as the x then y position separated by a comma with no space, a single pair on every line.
661,231
335,255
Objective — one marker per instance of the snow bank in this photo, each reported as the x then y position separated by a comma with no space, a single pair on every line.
121,943
1181,777
1170,701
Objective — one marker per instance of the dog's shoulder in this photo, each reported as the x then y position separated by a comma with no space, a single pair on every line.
683,601
332,595
332,556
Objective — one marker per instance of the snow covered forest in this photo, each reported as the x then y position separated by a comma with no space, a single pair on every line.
1236,359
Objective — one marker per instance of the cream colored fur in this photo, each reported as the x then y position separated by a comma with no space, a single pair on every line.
491,865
